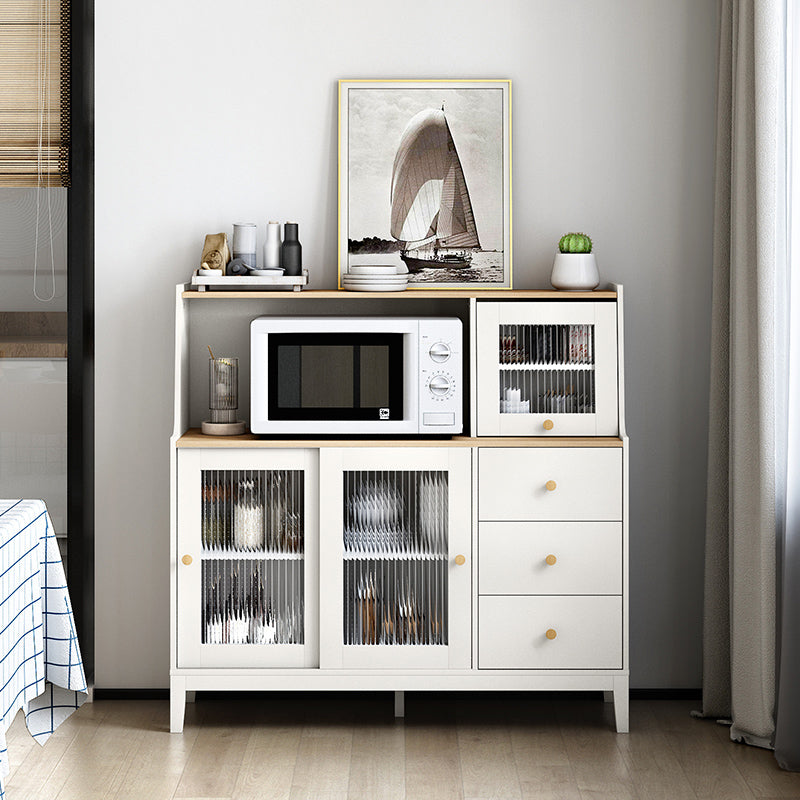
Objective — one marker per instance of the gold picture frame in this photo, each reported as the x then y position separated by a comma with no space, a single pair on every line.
425,180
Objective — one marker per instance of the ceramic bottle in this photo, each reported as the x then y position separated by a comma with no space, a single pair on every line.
272,245
292,252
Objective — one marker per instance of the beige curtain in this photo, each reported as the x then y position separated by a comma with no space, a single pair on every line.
739,616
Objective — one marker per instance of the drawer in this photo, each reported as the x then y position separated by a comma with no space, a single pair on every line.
513,558
512,632
585,483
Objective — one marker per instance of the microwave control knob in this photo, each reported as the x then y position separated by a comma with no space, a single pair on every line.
439,352
439,385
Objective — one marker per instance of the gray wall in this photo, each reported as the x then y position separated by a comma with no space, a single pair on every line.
18,244
232,115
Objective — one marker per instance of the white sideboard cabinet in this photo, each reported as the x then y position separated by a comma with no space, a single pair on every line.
492,560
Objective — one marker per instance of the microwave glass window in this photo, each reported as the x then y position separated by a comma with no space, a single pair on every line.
335,376
374,376
325,376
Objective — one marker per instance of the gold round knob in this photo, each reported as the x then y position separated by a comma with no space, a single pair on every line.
551,634
550,486
551,559
187,559
460,560
548,424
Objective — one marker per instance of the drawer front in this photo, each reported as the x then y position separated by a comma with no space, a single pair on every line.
580,483
550,558
512,632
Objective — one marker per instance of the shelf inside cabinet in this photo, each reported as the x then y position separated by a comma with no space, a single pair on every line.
251,555
194,439
392,555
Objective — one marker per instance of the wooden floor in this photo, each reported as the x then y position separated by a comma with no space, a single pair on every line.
349,746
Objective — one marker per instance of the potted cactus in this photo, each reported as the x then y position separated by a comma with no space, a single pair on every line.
575,266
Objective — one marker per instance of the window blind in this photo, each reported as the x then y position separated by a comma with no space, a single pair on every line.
34,92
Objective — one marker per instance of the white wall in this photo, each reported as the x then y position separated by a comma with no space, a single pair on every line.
209,113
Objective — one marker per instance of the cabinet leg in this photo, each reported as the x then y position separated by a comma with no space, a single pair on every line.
190,696
399,704
177,704
608,697
621,704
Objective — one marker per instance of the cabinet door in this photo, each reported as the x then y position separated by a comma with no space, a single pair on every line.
395,558
247,526
547,369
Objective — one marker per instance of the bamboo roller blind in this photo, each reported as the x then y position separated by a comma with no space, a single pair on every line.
34,92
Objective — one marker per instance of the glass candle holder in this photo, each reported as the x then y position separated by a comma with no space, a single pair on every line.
223,389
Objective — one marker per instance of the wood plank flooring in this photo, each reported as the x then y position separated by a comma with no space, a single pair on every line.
330,746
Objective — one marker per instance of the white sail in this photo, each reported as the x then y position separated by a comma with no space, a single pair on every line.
430,199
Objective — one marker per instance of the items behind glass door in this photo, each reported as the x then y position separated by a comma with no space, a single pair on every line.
542,391
248,601
546,344
252,511
547,369
396,513
395,543
394,602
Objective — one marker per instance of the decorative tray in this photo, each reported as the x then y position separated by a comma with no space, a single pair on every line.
255,282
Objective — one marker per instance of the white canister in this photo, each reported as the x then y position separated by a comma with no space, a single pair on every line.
244,242
272,246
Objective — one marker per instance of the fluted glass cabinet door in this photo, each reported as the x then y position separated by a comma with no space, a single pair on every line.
246,558
547,368
395,557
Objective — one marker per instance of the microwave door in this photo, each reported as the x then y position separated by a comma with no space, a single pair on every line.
335,377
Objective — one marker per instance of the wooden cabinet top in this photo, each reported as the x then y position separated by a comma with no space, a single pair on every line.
194,438
414,294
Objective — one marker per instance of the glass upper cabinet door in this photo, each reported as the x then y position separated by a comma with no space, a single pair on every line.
247,558
547,369
395,558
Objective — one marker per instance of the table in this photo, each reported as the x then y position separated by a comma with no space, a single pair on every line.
41,670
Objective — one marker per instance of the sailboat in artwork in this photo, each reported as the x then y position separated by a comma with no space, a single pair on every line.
431,211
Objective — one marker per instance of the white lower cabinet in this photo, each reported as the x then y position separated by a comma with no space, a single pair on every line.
399,567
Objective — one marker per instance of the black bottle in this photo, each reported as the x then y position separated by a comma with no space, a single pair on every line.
291,251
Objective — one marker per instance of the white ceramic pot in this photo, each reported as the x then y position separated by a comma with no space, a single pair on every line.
575,271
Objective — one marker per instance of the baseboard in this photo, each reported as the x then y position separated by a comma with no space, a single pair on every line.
131,694
666,694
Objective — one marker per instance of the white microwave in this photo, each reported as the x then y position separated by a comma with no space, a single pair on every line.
357,375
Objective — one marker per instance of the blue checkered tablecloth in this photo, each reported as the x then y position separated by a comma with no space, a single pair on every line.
41,670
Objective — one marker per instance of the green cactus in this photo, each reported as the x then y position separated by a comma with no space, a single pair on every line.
575,243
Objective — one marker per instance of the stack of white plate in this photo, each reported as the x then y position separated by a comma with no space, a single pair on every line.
375,278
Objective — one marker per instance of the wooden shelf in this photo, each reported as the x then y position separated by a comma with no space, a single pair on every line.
193,438
33,334
413,294
32,347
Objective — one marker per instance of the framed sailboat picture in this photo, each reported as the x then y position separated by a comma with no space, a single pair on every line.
425,181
